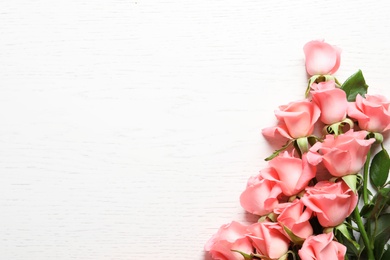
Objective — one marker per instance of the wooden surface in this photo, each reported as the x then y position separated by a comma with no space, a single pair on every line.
128,129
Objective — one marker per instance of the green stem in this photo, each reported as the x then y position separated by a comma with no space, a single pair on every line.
277,152
365,178
359,222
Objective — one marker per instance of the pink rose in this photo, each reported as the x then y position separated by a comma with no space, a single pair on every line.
296,120
322,247
332,202
295,217
321,58
372,113
291,173
343,154
261,195
332,102
229,237
322,173
268,239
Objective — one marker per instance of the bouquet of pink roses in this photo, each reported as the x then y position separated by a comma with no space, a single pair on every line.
313,198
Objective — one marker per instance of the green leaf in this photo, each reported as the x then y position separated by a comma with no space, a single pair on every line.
346,238
350,180
381,201
246,256
379,170
277,152
386,254
303,144
383,224
379,245
367,210
384,192
382,234
354,85
295,239
351,247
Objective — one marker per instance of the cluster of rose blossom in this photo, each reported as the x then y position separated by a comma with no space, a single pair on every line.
305,185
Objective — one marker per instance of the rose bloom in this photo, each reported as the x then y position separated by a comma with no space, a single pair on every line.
343,154
332,102
268,239
321,58
296,120
261,195
322,247
295,217
229,237
291,173
372,113
331,202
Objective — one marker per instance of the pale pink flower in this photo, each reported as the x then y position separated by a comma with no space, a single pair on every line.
343,154
371,112
261,195
296,120
291,173
331,202
322,247
295,217
229,237
268,239
321,58
332,102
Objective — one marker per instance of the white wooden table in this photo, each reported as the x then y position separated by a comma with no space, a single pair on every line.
128,128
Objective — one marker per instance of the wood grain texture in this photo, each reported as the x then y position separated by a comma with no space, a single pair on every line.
128,129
